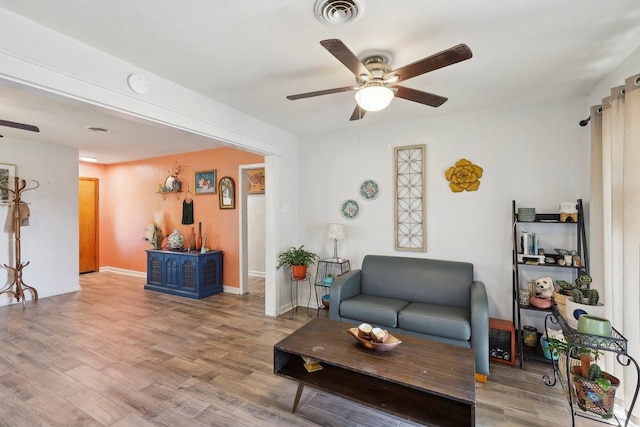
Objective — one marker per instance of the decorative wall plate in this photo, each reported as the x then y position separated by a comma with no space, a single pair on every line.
369,190
349,209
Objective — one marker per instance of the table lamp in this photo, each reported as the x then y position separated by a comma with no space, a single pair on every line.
335,232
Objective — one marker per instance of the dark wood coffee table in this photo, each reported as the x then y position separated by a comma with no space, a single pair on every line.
420,380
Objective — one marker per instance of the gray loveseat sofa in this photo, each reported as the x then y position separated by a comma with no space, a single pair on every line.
433,299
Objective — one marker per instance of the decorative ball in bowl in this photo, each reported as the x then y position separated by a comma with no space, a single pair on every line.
375,339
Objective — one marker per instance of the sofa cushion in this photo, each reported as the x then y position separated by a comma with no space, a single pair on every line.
444,321
372,309
423,280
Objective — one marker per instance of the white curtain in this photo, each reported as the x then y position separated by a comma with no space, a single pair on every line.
615,222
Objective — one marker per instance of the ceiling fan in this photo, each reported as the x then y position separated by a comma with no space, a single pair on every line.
19,126
377,83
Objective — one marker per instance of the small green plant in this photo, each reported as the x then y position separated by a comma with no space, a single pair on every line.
581,283
559,346
590,297
296,256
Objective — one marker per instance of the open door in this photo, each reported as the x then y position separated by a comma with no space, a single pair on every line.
88,223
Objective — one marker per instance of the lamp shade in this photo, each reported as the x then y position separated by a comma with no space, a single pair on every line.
374,97
336,231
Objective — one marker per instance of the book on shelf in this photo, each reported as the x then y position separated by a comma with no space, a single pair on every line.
528,243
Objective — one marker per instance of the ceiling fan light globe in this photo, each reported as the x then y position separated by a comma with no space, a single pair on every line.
374,98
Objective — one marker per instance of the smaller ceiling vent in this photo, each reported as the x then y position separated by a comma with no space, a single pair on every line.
339,12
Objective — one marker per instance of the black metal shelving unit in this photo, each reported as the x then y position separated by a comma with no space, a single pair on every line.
552,220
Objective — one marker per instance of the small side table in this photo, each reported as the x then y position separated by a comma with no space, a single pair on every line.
294,283
333,266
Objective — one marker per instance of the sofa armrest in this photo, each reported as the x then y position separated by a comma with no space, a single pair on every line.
480,326
345,286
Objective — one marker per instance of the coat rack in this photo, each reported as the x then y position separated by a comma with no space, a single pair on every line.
19,187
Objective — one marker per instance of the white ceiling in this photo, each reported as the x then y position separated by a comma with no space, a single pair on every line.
250,54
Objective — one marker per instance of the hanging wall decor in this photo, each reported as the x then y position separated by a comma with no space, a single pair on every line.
227,193
410,203
464,176
205,182
7,172
255,181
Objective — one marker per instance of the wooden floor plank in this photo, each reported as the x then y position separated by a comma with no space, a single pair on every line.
117,355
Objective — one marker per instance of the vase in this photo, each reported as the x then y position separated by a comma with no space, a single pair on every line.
176,240
192,240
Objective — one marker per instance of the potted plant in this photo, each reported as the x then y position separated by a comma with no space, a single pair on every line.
583,303
594,389
564,290
579,356
298,259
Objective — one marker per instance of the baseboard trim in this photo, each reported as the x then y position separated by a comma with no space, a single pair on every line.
257,273
231,290
123,271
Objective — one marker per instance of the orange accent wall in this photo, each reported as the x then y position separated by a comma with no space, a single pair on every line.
129,202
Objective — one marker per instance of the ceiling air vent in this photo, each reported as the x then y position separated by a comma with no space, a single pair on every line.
339,12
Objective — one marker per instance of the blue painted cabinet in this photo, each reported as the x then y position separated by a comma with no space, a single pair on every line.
187,274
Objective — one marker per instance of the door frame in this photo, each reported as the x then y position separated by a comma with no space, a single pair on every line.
270,170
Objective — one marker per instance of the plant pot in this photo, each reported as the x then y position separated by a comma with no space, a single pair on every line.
299,272
325,301
575,310
560,301
546,351
591,396
588,324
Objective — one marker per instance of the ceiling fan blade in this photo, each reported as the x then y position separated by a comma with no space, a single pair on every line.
358,113
19,126
425,98
344,55
322,92
445,58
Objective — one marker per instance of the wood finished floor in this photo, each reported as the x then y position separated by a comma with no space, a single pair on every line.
114,354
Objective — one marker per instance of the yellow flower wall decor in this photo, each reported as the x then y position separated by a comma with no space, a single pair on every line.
464,176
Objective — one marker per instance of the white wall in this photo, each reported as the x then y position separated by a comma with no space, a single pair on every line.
534,154
50,242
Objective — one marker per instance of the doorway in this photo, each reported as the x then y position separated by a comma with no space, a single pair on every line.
88,224
252,232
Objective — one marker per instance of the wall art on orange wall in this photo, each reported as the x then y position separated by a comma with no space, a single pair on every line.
205,182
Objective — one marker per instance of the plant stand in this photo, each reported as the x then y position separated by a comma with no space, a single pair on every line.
19,187
576,340
294,282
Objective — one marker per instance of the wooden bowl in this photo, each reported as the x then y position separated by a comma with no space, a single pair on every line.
391,343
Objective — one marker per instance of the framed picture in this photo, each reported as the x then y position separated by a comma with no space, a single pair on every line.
255,178
7,172
227,193
205,182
